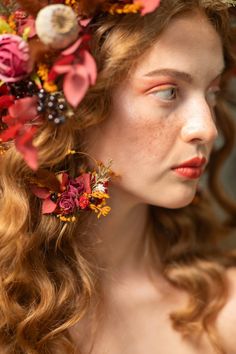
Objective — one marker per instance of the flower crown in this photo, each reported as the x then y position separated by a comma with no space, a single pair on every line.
32,90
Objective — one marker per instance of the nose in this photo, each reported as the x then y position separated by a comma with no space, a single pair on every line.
199,123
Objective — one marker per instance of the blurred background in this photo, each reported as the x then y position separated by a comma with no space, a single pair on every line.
229,171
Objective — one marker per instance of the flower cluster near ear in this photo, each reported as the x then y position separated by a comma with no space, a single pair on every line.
46,66
68,197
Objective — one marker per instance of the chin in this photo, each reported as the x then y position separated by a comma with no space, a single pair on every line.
176,200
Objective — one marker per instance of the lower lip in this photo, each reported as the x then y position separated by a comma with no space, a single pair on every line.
189,172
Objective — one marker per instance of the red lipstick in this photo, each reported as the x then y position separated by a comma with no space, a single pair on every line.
191,169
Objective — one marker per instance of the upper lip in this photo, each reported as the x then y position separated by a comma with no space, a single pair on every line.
194,162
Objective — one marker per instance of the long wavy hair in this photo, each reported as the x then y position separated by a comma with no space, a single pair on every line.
47,274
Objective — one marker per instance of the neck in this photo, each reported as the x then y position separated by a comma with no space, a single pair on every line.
122,235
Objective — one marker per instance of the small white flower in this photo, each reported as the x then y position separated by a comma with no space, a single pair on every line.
100,188
57,26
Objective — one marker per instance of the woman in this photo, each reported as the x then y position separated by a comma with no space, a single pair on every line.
151,276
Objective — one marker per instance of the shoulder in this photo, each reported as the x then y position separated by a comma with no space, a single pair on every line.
226,320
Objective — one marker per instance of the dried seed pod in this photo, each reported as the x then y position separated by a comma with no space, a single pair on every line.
57,26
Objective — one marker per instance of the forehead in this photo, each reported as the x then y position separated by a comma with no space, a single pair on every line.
189,43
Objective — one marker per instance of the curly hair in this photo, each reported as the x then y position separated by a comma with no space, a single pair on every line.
47,274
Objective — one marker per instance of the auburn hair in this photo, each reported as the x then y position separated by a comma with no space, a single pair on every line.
47,273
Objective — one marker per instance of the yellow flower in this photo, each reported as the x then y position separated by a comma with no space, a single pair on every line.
100,210
125,9
73,4
100,195
50,86
43,72
67,218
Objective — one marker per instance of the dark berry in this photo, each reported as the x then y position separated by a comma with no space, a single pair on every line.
51,104
52,98
31,86
41,108
52,115
53,197
59,120
61,106
42,96
93,200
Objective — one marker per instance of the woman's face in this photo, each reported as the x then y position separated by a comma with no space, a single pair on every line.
163,115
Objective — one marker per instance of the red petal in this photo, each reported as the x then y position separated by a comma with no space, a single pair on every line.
25,146
75,86
41,193
10,133
6,101
24,109
48,206
85,178
4,90
10,121
68,60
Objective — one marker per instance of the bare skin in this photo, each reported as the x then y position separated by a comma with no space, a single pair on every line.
165,130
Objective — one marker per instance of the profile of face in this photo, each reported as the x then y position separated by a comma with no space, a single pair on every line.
162,116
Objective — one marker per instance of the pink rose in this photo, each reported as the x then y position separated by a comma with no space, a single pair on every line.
14,58
67,203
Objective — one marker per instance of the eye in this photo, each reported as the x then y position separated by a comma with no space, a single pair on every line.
166,94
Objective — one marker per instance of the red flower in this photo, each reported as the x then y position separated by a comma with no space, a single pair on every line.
20,128
83,202
48,205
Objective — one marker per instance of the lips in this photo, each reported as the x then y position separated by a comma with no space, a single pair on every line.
192,169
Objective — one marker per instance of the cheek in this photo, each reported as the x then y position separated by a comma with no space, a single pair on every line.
138,140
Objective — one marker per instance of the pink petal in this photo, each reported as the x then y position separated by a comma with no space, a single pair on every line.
72,49
85,22
75,86
62,69
63,179
24,145
90,66
48,206
41,193
148,5
30,155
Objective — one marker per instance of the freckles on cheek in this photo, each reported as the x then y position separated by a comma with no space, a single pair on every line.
154,139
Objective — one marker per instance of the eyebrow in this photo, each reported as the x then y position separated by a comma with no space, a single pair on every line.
181,75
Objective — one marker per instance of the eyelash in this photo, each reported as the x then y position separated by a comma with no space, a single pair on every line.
173,97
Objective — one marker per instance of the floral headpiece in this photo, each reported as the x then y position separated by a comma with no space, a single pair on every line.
32,90
66,197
